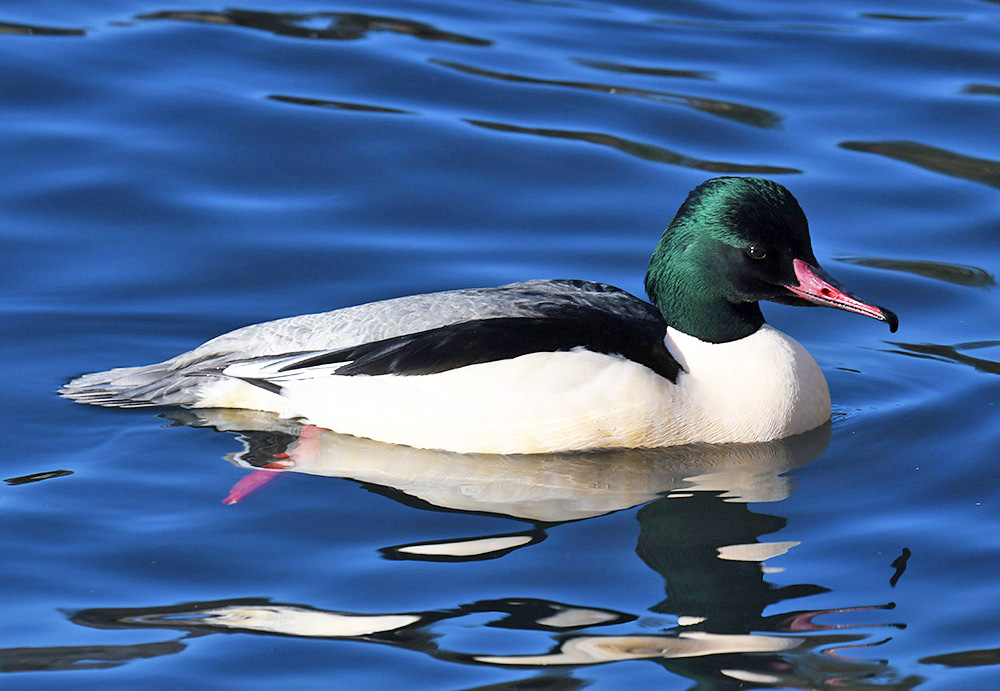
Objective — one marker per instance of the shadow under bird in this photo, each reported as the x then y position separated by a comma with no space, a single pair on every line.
546,365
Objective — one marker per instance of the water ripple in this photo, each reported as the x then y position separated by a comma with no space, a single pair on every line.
895,17
985,657
982,89
337,26
336,105
645,71
982,170
37,30
649,152
950,353
748,115
959,274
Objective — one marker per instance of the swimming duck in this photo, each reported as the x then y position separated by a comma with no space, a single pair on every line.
545,365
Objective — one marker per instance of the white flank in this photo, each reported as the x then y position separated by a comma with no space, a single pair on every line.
760,388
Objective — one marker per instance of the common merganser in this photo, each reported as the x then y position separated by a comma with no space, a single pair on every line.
546,365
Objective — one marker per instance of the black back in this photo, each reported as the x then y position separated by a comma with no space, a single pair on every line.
489,340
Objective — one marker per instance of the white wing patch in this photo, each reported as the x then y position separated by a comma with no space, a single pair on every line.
282,368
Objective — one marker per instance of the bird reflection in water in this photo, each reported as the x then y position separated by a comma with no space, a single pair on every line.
695,529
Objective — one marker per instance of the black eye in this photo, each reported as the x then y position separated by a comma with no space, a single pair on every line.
755,251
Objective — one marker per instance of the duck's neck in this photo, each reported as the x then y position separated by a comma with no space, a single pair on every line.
707,319
695,306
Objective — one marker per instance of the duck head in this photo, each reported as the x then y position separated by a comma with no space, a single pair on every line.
734,242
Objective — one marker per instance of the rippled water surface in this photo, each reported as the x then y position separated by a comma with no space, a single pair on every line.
175,171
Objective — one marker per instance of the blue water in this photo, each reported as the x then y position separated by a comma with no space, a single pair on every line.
173,172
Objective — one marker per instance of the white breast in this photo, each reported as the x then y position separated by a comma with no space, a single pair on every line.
762,387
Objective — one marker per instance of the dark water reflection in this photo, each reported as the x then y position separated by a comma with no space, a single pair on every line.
909,17
966,658
981,170
65,658
959,274
37,477
648,152
339,26
748,115
36,30
645,71
336,105
982,89
951,353
695,530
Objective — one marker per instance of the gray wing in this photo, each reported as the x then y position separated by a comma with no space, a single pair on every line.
175,381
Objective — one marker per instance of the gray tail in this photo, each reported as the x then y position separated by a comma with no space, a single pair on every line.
129,387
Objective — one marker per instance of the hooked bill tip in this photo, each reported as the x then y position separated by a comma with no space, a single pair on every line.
890,318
